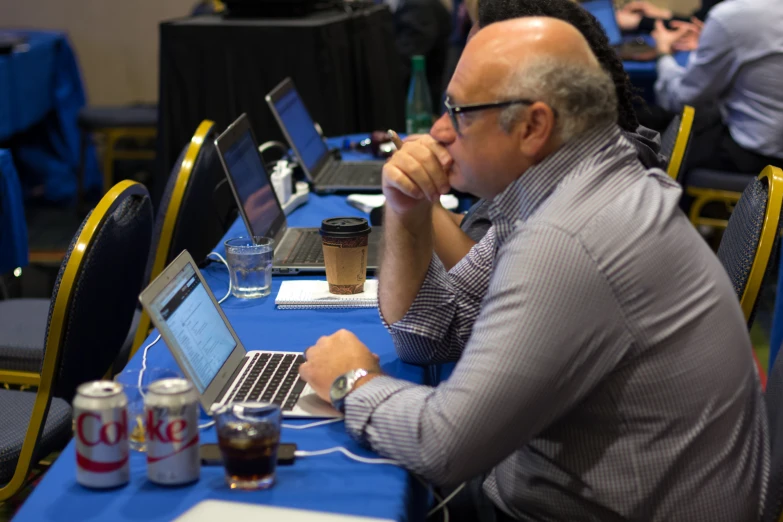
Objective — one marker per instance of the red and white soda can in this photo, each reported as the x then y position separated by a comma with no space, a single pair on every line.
171,408
100,427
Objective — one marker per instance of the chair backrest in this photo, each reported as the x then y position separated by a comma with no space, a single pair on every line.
751,237
96,289
190,216
675,141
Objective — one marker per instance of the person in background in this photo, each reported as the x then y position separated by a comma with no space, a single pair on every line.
593,382
456,234
732,79
641,15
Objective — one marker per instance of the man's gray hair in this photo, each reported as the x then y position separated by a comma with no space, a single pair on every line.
582,96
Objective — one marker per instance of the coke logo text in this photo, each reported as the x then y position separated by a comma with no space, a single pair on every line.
110,433
174,431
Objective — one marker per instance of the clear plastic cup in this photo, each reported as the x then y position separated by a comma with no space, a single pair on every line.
250,266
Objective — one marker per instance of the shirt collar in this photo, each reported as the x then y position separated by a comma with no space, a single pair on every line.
521,199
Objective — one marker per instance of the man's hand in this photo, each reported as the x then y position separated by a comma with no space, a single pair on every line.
647,9
664,38
332,356
416,174
628,20
690,40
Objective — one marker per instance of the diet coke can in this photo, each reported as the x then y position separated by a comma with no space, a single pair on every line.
171,407
100,426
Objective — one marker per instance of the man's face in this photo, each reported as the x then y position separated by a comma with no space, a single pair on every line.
486,158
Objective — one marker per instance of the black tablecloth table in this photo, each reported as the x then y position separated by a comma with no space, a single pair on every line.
344,64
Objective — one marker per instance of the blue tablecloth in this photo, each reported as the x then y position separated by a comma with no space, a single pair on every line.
329,483
13,226
41,93
776,336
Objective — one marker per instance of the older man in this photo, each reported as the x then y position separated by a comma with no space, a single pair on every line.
604,365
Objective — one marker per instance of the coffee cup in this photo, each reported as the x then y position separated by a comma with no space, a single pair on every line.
345,241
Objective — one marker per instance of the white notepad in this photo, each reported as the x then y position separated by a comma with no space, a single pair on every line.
298,295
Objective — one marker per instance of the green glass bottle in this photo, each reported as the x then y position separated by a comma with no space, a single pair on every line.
418,109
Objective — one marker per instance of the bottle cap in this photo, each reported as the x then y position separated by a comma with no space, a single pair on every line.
417,63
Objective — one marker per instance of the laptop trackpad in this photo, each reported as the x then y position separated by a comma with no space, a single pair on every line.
311,405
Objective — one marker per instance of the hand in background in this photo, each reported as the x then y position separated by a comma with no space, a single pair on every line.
665,38
647,9
690,40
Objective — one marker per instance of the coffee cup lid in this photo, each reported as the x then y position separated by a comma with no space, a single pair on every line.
345,227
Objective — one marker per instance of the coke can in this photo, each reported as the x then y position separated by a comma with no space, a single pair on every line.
100,427
171,407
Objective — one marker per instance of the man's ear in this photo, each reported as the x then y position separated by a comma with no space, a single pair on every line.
536,130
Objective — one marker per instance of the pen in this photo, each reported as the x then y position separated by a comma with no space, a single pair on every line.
395,139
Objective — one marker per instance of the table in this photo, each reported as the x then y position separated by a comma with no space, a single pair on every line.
644,74
41,93
329,483
343,64
13,226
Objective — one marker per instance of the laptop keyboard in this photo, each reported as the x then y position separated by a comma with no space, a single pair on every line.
271,377
351,175
308,249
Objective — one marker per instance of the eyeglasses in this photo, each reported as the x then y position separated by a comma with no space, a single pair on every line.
456,110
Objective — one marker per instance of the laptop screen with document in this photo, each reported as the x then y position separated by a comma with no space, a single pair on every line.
251,182
301,128
186,312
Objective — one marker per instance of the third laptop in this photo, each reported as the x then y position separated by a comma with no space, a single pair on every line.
325,173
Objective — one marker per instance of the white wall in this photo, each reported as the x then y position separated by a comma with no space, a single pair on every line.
116,41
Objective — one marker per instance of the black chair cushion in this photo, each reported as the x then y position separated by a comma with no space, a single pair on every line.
16,407
719,179
91,118
22,333
669,137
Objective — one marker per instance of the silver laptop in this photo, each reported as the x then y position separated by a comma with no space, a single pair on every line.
208,351
325,173
212,510
296,249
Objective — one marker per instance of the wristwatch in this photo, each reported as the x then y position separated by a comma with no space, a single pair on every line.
343,385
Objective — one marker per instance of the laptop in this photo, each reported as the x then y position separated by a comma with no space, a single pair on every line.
325,173
635,49
209,353
211,510
296,249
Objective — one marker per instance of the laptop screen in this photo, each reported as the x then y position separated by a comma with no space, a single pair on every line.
603,10
186,311
301,129
251,181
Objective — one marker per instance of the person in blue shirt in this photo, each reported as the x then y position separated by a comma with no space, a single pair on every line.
732,79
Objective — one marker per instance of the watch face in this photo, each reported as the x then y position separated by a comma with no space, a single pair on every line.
339,387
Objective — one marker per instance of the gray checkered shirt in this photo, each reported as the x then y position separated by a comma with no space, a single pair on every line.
605,369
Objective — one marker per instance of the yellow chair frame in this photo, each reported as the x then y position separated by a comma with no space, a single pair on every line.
170,221
769,230
681,143
56,335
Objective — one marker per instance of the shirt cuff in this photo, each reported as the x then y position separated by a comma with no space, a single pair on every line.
362,402
667,66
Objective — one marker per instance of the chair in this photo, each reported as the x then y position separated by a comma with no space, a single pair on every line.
89,315
675,140
751,237
117,123
195,212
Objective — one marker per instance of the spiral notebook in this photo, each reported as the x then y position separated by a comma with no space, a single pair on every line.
300,295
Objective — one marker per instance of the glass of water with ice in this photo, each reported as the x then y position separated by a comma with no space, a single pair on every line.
250,266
